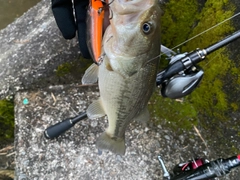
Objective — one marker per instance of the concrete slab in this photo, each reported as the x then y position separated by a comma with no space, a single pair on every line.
31,49
74,155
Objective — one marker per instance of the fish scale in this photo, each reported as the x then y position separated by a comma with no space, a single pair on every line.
125,104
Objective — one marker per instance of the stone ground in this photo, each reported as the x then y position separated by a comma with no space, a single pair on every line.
74,155
7,162
31,49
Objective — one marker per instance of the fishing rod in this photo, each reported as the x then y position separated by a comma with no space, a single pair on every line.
179,79
200,169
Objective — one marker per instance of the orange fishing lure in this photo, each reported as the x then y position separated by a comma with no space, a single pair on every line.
95,22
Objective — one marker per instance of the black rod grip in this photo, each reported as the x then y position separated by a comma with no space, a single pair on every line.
61,127
79,117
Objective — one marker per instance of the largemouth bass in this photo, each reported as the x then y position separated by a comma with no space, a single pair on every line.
127,75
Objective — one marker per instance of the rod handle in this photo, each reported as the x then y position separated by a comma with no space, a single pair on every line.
58,129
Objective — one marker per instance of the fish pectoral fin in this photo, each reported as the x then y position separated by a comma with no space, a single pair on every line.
95,110
91,75
143,117
114,145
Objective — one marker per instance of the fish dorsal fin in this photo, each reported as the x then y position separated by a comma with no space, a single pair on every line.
91,75
95,110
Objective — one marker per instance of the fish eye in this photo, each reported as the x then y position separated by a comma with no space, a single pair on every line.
146,28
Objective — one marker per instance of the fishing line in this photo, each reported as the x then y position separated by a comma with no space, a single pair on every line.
228,19
208,62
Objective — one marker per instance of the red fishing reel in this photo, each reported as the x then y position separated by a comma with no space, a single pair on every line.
190,165
200,169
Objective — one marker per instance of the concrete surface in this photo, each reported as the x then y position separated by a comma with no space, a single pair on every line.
74,155
31,48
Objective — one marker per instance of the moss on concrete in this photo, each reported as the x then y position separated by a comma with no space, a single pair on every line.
6,120
74,68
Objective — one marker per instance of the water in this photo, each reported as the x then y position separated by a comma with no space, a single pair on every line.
12,9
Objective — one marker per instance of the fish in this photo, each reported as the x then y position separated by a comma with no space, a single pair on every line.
127,75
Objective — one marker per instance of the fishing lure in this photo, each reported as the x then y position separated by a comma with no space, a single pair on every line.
95,25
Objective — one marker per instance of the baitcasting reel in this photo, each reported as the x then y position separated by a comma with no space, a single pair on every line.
182,83
183,75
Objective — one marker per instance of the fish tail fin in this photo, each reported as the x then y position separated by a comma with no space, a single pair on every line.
116,146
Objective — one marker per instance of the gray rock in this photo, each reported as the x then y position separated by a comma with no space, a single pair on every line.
31,49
